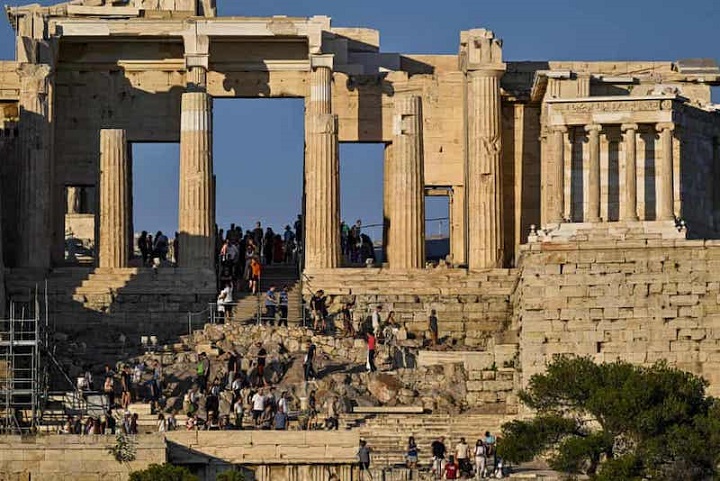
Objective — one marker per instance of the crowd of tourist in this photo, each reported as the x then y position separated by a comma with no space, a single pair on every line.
156,250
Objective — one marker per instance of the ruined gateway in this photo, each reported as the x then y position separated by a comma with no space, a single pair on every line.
584,201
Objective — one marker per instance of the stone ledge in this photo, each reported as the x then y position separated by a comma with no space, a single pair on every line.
388,410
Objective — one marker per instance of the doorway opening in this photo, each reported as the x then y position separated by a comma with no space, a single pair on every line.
437,223
361,202
155,174
80,202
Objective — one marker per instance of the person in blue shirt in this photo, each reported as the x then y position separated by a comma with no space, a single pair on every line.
281,420
271,305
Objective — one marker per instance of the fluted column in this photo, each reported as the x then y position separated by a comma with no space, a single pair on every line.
592,213
484,176
263,473
35,167
628,199
664,173
554,179
292,473
114,199
322,172
406,196
196,223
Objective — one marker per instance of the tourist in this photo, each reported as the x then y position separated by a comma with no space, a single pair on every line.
171,422
125,383
138,371
289,239
363,455
260,363
134,423
239,411
176,248
433,326
376,321
278,249
331,413
490,450
110,424
255,273
313,411
161,246
109,386
283,402
281,420
346,315
283,303
202,369
451,469
258,406
266,418
191,422
370,352
412,453
308,369
462,455
162,423
391,329
142,244
271,303
224,302
480,459
298,226
233,364
318,305
257,235
438,453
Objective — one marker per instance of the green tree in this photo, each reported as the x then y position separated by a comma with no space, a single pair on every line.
617,421
163,472
231,476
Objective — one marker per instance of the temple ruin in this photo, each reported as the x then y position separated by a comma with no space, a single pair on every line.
584,196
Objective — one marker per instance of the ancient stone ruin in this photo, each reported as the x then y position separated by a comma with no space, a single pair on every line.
584,219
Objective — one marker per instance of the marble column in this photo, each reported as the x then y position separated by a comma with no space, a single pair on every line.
114,199
715,206
263,473
554,180
292,473
628,199
196,222
322,174
35,177
664,173
592,213
406,186
484,170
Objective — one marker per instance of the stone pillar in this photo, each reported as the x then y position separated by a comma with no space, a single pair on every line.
485,234
592,213
292,473
406,187
35,167
664,173
628,199
196,223
715,182
114,199
554,178
263,473
322,171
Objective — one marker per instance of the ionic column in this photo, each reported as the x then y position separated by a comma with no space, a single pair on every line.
35,167
322,171
406,196
292,473
196,222
664,173
484,176
628,200
114,199
554,180
593,166
263,473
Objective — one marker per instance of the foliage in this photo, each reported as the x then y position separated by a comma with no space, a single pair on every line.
163,472
125,448
617,421
231,476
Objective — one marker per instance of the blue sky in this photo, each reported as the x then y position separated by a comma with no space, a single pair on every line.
260,170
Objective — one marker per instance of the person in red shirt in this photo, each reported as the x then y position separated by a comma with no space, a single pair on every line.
451,469
371,352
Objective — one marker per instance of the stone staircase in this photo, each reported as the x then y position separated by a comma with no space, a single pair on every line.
279,275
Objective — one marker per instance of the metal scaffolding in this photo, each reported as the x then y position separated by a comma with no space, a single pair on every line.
23,370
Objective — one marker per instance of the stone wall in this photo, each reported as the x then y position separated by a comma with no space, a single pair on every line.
472,308
642,301
73,458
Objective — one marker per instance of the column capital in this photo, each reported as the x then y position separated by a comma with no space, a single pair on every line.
481,51
593,128
326,60
34,77
662,126
626,127
197,49
558,128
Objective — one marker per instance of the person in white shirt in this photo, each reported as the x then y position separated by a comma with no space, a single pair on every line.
162,424
224,302
480,459
258,405
283,403
461,454
376,321
239,411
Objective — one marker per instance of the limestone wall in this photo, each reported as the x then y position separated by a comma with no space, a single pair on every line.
642,301
73,458
472,308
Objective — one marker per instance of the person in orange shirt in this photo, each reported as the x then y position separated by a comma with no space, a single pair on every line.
256,270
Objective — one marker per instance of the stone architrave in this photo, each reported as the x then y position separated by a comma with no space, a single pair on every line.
664,173
114,199
481,53
592,213
628,201
196,223
322,171
36,169
406,196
